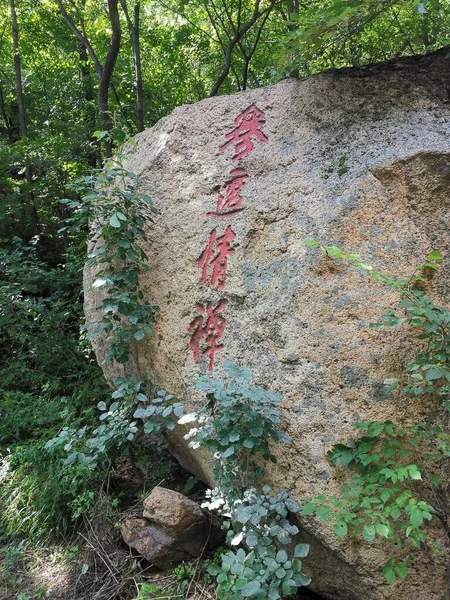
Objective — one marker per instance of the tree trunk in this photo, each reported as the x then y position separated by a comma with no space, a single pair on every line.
22,119
108,68
104,72
133,27
18,71
88,87
138,70
293,10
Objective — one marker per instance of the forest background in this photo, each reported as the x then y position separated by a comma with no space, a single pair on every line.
71,70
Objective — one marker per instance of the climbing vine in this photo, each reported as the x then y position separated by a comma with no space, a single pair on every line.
117,210
400,476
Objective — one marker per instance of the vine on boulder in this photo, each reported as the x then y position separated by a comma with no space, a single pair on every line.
400,475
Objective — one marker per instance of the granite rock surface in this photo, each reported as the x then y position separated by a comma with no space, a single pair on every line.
359,158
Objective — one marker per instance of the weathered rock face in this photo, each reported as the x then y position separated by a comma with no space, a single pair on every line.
356,158
172,529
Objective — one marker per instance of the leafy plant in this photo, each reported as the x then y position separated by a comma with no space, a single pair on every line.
117,211
399,475
260,521
338,33
237,425
124,421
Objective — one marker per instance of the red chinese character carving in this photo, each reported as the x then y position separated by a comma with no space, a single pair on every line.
220,245
210,329
247,125
230,203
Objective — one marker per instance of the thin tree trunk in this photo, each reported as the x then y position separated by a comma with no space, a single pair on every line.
133,27
88,87
8,121
22,118
82,38
18,71
137,58
108,68
104,72
293,10
239,34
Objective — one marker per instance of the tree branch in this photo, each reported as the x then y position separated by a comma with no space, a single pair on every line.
82,38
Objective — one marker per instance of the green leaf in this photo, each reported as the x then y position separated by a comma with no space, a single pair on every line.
241,582
385,495
341,529
303,579
228,452
433,373
323,512
251,589
435,255
382,529
395,513
309,508
301,550
333,251
369,533
402,569
289,587
415,517
114,221
414,472
388,572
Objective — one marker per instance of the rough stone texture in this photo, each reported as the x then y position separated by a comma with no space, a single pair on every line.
171,510
172,529
297,319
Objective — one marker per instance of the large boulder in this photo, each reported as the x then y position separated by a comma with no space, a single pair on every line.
359,158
